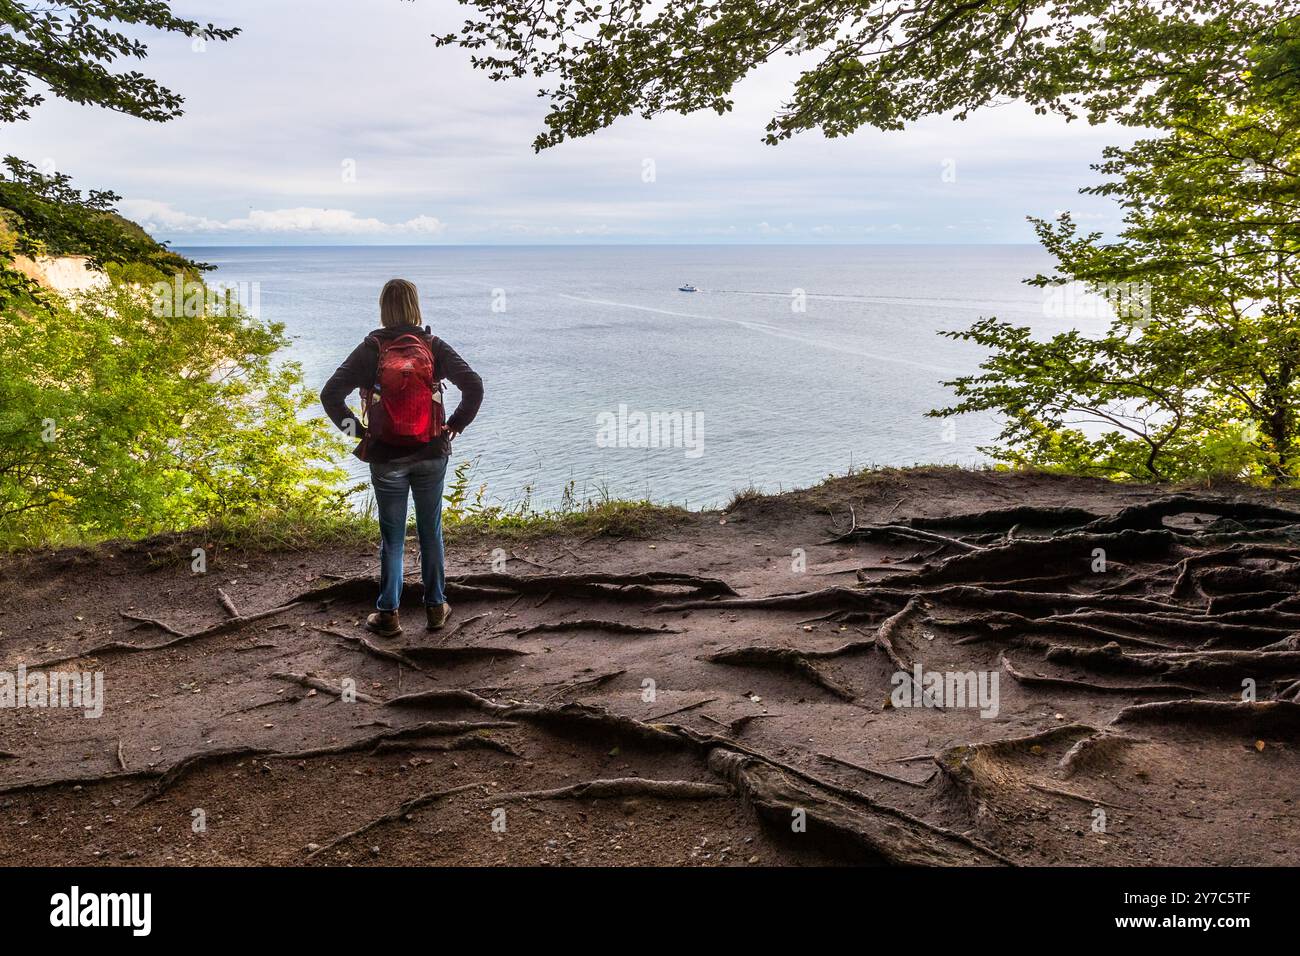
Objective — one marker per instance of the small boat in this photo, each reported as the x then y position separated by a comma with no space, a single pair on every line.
687,288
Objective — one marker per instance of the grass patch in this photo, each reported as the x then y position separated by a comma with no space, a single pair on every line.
608,518
743,496
466,513
292,534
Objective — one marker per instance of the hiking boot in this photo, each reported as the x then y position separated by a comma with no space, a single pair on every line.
438,614
384,623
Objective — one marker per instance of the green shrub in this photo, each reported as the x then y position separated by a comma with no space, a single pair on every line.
116,421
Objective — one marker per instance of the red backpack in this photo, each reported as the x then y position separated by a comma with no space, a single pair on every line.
404,407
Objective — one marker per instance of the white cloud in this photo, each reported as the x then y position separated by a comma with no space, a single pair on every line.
161,217
420,131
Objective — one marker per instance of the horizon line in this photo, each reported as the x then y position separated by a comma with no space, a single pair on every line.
583,245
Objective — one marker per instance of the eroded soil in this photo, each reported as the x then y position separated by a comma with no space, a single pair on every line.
785,748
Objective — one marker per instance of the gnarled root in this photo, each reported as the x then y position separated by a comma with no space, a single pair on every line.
799,662
891,836
410,806
1280,717
1063,683
586,624
619,787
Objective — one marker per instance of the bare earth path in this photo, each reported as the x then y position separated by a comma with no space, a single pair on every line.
718,693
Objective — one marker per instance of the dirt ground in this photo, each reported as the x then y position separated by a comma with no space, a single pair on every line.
1120,734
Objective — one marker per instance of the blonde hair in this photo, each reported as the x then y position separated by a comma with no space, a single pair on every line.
399,304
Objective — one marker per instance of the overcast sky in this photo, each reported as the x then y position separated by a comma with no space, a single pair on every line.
339,121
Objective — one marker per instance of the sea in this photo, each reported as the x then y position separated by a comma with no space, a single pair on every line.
788,364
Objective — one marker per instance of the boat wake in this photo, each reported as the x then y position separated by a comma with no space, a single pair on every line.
772,330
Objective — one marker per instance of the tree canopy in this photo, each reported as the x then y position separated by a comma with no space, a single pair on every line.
1199,374
879,63
71,48
123,411
48,215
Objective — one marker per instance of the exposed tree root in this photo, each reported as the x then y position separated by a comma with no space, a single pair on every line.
889,835
325,687
598,584
619,787
798,662
1251,601
575,717
434,699
410,806
897,531
467,735
443,654
1269,617
681,710
1063,683
737,727
861,571
191,763
1280,717
591,682
1006,626
1185,584
587,624
644,586
451,632
1151,514
990,775
586,719
886,633
825,599
1070,794
126,647
1002,519
1036,556
1033,743
1094,750
80,780
471,742
1221,667
365,644
412,591
890,598
830,758
151,622
1040,582
1192,628
1235,580
1287,534
373,742
1003,599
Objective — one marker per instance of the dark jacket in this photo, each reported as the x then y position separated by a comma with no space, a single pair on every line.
361,368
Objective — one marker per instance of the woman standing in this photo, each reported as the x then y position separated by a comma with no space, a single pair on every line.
399,369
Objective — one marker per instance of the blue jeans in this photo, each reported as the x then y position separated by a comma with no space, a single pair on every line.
393,481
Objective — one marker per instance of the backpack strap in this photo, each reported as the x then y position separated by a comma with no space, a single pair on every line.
368,391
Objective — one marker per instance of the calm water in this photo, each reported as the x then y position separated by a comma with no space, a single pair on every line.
562,335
